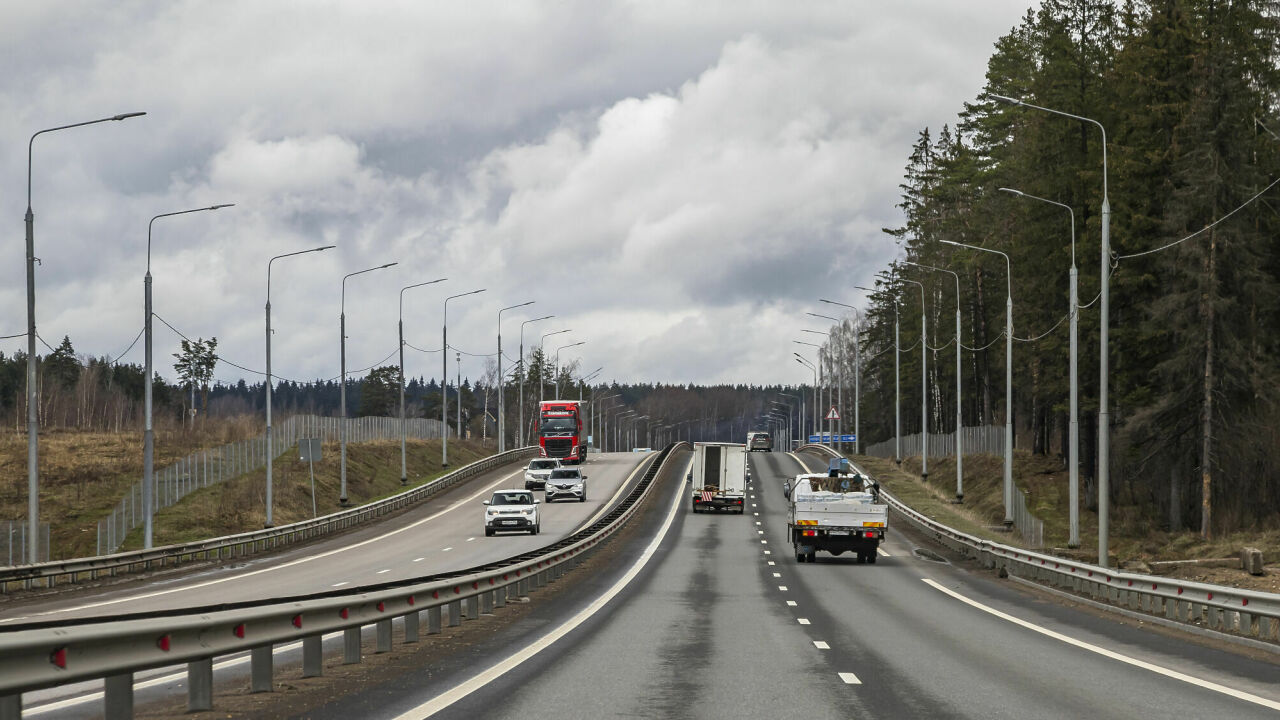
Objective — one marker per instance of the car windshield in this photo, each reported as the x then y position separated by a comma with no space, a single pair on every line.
513,498
559,424
542,464
564,474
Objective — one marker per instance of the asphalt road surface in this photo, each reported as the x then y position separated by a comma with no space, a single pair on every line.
710,616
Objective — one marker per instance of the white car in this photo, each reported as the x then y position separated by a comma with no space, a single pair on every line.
535,475
567,483
511,510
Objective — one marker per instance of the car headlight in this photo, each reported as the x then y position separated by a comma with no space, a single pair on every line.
527,512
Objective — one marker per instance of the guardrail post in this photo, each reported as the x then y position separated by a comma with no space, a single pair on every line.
384,636
312,656
486,603
433,620
200,685
260,669
500,597
471,608
411,627
351,646
455,613
117,697
11,707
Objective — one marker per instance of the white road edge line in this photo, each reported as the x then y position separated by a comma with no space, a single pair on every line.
299,561
1206,684
445,699
882,552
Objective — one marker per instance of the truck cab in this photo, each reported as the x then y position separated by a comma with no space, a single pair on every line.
560,434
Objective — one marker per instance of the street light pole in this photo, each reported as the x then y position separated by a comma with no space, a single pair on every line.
444,379
557,364
897,383
520,439
924,386
270,453
404,466
1104,411
1073,424
803,361
857,373
959,389
342,388
1008,380
148,433
502,415
33,400
543,354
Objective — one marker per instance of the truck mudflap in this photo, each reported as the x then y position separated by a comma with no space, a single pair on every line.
704,501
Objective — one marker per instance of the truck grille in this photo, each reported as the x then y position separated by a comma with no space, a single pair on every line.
558,447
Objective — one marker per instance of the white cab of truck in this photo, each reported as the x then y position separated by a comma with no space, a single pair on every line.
838,511
719,477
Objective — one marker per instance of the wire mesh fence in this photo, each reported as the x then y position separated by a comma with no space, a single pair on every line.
209,467
979,440
16,540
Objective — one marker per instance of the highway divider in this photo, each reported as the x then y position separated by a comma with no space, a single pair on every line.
1234,612
48,654
48,574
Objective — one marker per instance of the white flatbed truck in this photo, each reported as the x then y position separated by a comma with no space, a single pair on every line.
839,511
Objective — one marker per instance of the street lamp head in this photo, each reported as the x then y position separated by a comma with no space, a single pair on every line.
1004,98
1012,191
951,242
126,116
325,247
388,265
219,207
824,317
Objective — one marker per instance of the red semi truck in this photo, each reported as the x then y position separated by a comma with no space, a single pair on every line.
560,433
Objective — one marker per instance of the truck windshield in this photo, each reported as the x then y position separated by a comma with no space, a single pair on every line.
559,424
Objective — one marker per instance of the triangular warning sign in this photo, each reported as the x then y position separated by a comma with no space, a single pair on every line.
834,414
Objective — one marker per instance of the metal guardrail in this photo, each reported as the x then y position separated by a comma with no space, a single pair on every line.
1232,611
51,573
42,655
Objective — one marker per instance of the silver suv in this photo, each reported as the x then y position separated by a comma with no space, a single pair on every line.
567,483
511,510
535,475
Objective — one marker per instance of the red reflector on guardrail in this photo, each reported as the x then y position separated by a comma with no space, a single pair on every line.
163,643
410,600
238,630
343,613
297,621
381,606
457,590
1210,596
475,585
1244,601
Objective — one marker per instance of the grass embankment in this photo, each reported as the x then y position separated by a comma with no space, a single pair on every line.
239,505
1133,535
84,474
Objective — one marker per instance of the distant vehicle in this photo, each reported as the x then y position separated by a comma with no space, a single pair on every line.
719,478
535,475
511,510
760,441
836,512
566,483
559,431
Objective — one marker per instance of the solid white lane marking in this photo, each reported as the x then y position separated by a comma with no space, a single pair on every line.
156,593
791,603
849,678
453,695
803,621
783,588
882,552
384,571
344,582
1159,670
821,645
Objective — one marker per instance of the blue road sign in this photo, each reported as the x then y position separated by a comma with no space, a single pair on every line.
825,437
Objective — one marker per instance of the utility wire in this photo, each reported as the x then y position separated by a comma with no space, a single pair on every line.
1045,333
116,361
984,347
6,337
220,358
1210,226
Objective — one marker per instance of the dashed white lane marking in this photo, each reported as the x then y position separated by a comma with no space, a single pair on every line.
1206,684
757,522
783,588
344,582
470,539
384,571
791,603
821,645
419,559
772,562
453,695
766,552
764,542
803,621
759,532
447,549
777,574
849,678
882,552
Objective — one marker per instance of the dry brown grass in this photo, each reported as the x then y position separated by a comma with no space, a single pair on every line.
239,505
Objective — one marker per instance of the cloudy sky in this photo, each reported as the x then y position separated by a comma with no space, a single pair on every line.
677,182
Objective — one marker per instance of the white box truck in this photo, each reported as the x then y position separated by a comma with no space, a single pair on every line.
838,511
719,477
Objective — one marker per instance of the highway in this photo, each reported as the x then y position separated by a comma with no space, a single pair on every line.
445,533
710,616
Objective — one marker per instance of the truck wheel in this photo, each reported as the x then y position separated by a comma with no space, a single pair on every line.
812,555
871,557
